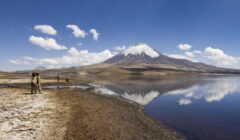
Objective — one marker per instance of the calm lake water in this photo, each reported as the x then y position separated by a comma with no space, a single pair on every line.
200,107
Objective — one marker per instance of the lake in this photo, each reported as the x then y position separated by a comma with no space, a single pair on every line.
200,107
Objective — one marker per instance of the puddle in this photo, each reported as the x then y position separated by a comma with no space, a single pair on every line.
72,87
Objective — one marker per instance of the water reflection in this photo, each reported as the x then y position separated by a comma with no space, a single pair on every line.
184,101
141,99
206,110
215,90
72,87
143,91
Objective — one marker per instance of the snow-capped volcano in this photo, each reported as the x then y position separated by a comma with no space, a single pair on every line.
139,49
141,56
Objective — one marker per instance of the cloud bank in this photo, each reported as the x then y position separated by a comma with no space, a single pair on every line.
179,56
120,48
211,55
217,56
73,57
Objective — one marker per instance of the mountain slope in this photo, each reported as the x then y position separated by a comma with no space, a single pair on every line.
141,56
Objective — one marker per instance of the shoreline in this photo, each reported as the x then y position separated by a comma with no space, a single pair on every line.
78,113
125,119
98,116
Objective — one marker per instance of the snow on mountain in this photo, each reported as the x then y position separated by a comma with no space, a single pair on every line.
140,49
144,57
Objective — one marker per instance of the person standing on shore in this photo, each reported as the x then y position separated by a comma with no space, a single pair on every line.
39,88
33,83
58,79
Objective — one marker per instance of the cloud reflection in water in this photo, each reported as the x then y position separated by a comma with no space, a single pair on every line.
210,92
141,99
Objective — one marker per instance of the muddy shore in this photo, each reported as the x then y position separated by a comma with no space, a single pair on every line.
75,114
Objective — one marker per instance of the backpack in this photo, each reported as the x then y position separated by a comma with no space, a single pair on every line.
34,80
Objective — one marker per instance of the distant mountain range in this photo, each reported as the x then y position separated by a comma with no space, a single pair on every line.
40,68
141,57
137,58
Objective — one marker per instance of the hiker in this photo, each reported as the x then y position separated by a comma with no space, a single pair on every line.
58,79
33,83
67,80
39,88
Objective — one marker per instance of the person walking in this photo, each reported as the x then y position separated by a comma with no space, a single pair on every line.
33,83
39,87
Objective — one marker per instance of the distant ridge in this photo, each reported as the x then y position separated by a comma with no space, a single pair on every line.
40,68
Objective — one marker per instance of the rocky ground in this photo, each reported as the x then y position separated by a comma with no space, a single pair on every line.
74,114
25,116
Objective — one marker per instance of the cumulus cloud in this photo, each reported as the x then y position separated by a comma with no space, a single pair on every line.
119,48
46,29
77,32
95,34
73,57
184,47
209,55
197,51
79,44
19,62
179,56
189,54
46,43
217,56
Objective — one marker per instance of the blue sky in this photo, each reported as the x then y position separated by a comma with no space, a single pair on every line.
209,26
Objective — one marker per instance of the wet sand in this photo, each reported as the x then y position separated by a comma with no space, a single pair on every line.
75,114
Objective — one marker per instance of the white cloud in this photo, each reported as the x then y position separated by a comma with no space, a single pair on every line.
73,57
189,54
19,62
95,34
209,55
79,44
77,32
184,47
218,57
197,51
46,43
118,48
46,29
179,56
